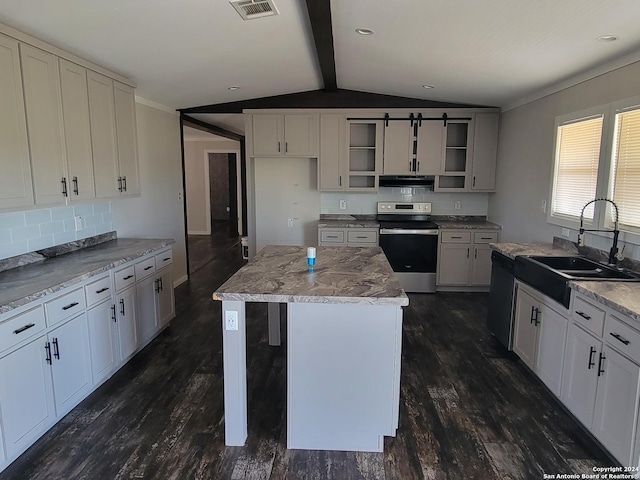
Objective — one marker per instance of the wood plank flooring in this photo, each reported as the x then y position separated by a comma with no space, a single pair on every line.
468,409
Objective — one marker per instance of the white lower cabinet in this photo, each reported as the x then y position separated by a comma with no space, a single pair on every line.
126,320
56,350
464,258
70,363
26,395
540,335
103,340
616,404
146,291
601,384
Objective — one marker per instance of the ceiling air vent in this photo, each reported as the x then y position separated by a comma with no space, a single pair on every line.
250,9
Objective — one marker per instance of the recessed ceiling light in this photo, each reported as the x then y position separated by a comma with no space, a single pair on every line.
364,31
607,38
234,87
428,86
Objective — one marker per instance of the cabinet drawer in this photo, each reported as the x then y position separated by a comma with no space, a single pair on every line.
125,277
485,237
21,327
622,337
588,315
65,306
455,237
362,237
145,268
332,236
98,290
163,259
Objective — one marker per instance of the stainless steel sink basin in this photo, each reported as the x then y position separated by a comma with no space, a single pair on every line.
551,275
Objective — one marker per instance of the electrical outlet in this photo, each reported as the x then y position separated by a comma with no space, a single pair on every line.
79,222
231,320
457,205
290,222
543,206
565,232
343,204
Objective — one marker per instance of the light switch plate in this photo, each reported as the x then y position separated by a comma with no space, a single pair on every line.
343,204
78,222
231,320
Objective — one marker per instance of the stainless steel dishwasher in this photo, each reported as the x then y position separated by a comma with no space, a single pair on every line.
500,316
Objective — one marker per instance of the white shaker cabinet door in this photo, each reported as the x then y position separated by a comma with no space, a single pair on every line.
71,363
41,80
26,395
146,291
103,340
398,149
166,303
525,337
551,344
126,319
125,110
16,189
580,379
616,404
301,135
103,135
77,132
268,135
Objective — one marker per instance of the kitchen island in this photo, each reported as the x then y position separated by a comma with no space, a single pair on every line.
344,342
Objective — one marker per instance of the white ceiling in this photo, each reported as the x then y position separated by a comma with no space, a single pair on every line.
491,52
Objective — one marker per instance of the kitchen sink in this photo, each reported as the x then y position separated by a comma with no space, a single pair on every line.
551,275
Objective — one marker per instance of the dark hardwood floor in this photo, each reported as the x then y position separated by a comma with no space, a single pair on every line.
468,410
206,248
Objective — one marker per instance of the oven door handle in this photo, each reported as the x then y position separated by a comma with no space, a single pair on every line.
402,231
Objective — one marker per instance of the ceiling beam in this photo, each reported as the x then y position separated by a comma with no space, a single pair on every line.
207,127
320,17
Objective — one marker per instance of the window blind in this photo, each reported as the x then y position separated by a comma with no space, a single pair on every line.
576,175
626,167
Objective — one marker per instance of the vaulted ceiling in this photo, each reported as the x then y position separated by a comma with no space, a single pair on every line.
188,53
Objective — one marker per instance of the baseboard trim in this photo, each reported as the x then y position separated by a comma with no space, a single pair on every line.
180,281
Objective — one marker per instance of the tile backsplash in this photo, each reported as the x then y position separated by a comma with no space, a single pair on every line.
441,203
28,231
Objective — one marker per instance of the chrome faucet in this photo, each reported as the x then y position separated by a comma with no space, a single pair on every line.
616,232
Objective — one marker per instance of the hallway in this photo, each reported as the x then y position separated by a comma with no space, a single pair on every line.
468,410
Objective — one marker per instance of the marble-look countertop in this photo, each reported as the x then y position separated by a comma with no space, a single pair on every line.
356,275
22,285
623,297
466,224
348,223
512,250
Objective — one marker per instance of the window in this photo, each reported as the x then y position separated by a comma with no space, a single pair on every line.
625,169
576,166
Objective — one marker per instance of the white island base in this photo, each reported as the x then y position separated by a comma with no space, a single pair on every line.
343,375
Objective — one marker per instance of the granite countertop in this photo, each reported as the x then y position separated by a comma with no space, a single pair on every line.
22,285
347,221
623,297
512,250
466,224
356,275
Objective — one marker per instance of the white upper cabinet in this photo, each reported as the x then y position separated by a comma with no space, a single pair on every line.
294,135
331,163
485,152
43,104
398,148
77,132
16,189
125,110
103,135
429,149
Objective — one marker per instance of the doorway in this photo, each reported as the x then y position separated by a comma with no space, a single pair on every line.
213,204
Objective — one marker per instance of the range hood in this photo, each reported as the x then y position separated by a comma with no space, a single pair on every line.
425,181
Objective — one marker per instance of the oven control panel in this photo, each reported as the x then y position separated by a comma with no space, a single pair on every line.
404,207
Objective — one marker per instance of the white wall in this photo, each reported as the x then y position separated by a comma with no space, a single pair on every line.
525,156
441,203
158,213
196,181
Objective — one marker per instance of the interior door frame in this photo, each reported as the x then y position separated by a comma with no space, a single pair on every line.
207,186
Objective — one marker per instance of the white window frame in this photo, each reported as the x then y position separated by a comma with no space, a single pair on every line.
567,220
